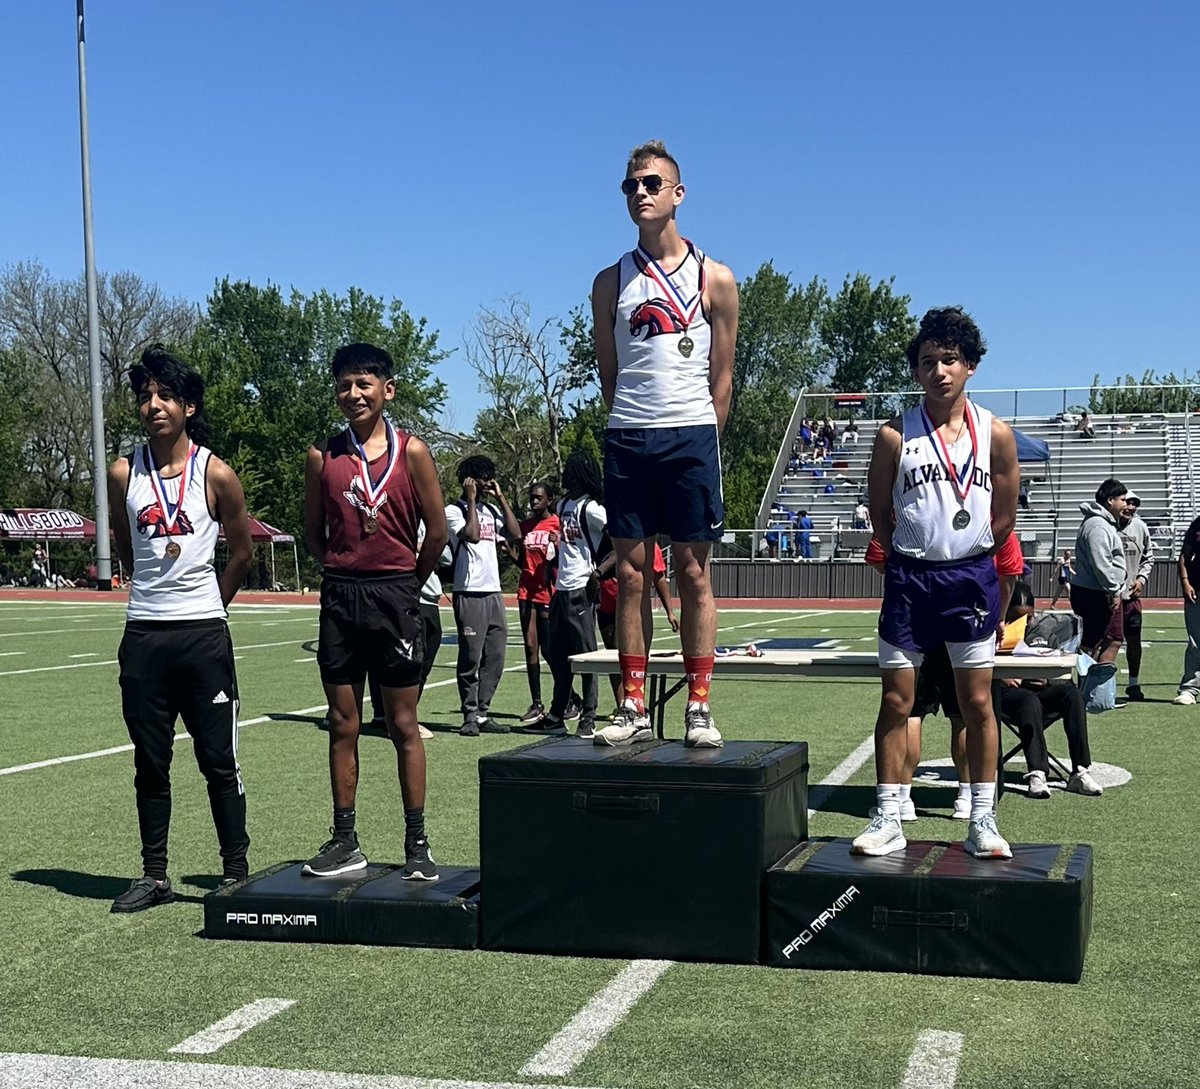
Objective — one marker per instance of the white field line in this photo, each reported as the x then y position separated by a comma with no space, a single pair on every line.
230,1028
113,661
571,1045
10,653
819,795
19,1071
934,1061
85,654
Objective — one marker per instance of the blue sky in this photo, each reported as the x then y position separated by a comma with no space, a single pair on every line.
1037,163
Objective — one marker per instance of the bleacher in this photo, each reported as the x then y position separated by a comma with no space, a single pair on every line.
1153,454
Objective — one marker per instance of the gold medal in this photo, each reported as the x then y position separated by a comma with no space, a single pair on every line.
173,549
686,346
371,525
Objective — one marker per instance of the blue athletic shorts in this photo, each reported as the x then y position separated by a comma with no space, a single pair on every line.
664,480
926,605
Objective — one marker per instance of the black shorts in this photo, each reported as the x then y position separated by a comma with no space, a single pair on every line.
935,685
1100,623
371,623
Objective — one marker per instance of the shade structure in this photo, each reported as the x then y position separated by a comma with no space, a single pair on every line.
263,533
45,524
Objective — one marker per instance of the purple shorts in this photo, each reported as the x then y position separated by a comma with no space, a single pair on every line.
926,605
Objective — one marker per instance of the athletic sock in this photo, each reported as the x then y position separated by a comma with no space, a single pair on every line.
343,820
414,824
534,673
906,792
983,796
887,798
1133,682
633,679
699,677
964,792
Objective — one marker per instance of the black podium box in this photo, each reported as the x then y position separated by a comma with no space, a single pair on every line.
932,909
375,906
651,851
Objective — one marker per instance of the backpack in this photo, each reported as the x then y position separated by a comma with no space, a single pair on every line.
605,546
1056,630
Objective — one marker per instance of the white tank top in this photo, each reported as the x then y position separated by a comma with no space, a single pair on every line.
932,522
166,587
658,385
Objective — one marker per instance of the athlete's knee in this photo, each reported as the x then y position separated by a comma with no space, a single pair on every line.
631,579
895,704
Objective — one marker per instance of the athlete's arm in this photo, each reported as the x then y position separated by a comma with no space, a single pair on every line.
118,482
428,489
1006,482
664,595
723,320
314,505
604,314
229,504
881,478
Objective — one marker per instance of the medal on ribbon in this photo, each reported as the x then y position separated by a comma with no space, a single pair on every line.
681,308
960,479
170,512
374,492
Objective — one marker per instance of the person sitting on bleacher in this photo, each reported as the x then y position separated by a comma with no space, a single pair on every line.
851,433
1085,428
1026,706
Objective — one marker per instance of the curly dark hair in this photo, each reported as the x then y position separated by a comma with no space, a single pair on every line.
478,466
582,474
948,327
171,373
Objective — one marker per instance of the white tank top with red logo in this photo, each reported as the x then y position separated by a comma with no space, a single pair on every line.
658,385
166,586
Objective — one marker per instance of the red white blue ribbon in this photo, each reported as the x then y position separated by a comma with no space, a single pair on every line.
684,309
960,480
171,513
374,491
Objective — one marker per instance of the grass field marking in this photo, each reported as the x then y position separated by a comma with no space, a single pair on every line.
774,616
24,1071
934,1061
10,653
230,1028
51,669
820,794
571,1045
85,654
54,631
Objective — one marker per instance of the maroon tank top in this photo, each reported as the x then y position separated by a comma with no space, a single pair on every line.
349,548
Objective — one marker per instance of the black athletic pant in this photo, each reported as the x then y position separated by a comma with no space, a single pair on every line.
431,626
184,669
1031,709
572,630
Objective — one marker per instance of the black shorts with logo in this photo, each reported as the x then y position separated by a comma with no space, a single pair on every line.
371,622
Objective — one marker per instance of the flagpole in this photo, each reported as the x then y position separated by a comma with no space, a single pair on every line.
99,460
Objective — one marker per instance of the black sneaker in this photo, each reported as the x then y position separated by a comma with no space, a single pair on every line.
574,708
1134,692
339,855
535,713
145,892
586,730
491,726
418,862
470,728
235,870
548,726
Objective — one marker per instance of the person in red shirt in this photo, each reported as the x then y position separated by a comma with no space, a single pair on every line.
606,609
539,540
935,685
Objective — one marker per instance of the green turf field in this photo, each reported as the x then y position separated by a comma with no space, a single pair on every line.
82,982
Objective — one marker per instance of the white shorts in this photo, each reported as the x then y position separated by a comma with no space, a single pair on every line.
981,654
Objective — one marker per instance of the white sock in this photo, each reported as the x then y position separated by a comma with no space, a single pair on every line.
964,792
887,797
1133,681
983,797
905,792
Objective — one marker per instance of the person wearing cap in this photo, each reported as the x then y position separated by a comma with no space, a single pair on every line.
1139,562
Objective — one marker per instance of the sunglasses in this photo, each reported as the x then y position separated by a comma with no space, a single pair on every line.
652,182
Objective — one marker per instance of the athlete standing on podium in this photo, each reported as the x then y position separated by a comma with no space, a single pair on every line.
665,323
169,500
943,485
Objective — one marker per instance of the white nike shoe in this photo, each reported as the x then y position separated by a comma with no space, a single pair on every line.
985,841
908,811
883,836
628,726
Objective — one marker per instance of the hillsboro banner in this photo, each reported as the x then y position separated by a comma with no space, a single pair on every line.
29,523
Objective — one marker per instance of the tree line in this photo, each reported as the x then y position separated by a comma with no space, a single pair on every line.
265,353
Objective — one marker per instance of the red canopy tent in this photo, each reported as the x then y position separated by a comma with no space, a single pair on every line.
263,533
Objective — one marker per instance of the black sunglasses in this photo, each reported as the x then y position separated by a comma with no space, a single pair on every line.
652,182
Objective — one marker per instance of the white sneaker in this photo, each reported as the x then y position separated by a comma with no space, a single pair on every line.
700,732
1186,698
908,811
1036,785
627,727
985,841
883,836
962,809
424,732
1081,782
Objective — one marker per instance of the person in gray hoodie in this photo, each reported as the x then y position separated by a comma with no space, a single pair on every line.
1139,563
1100,573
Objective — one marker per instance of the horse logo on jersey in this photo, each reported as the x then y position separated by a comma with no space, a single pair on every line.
656,317
357,500
151,518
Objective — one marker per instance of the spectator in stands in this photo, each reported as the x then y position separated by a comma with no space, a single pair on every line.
1066,568
804,525
1030,706
1023,495
1139,562
1084,427
862,515
829,434
806,435
1189,580
851,433
1100,574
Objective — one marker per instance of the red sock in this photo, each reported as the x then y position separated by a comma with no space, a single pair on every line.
699,677
633,678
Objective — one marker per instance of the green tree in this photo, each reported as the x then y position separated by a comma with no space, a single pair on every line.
864,331
1150,393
